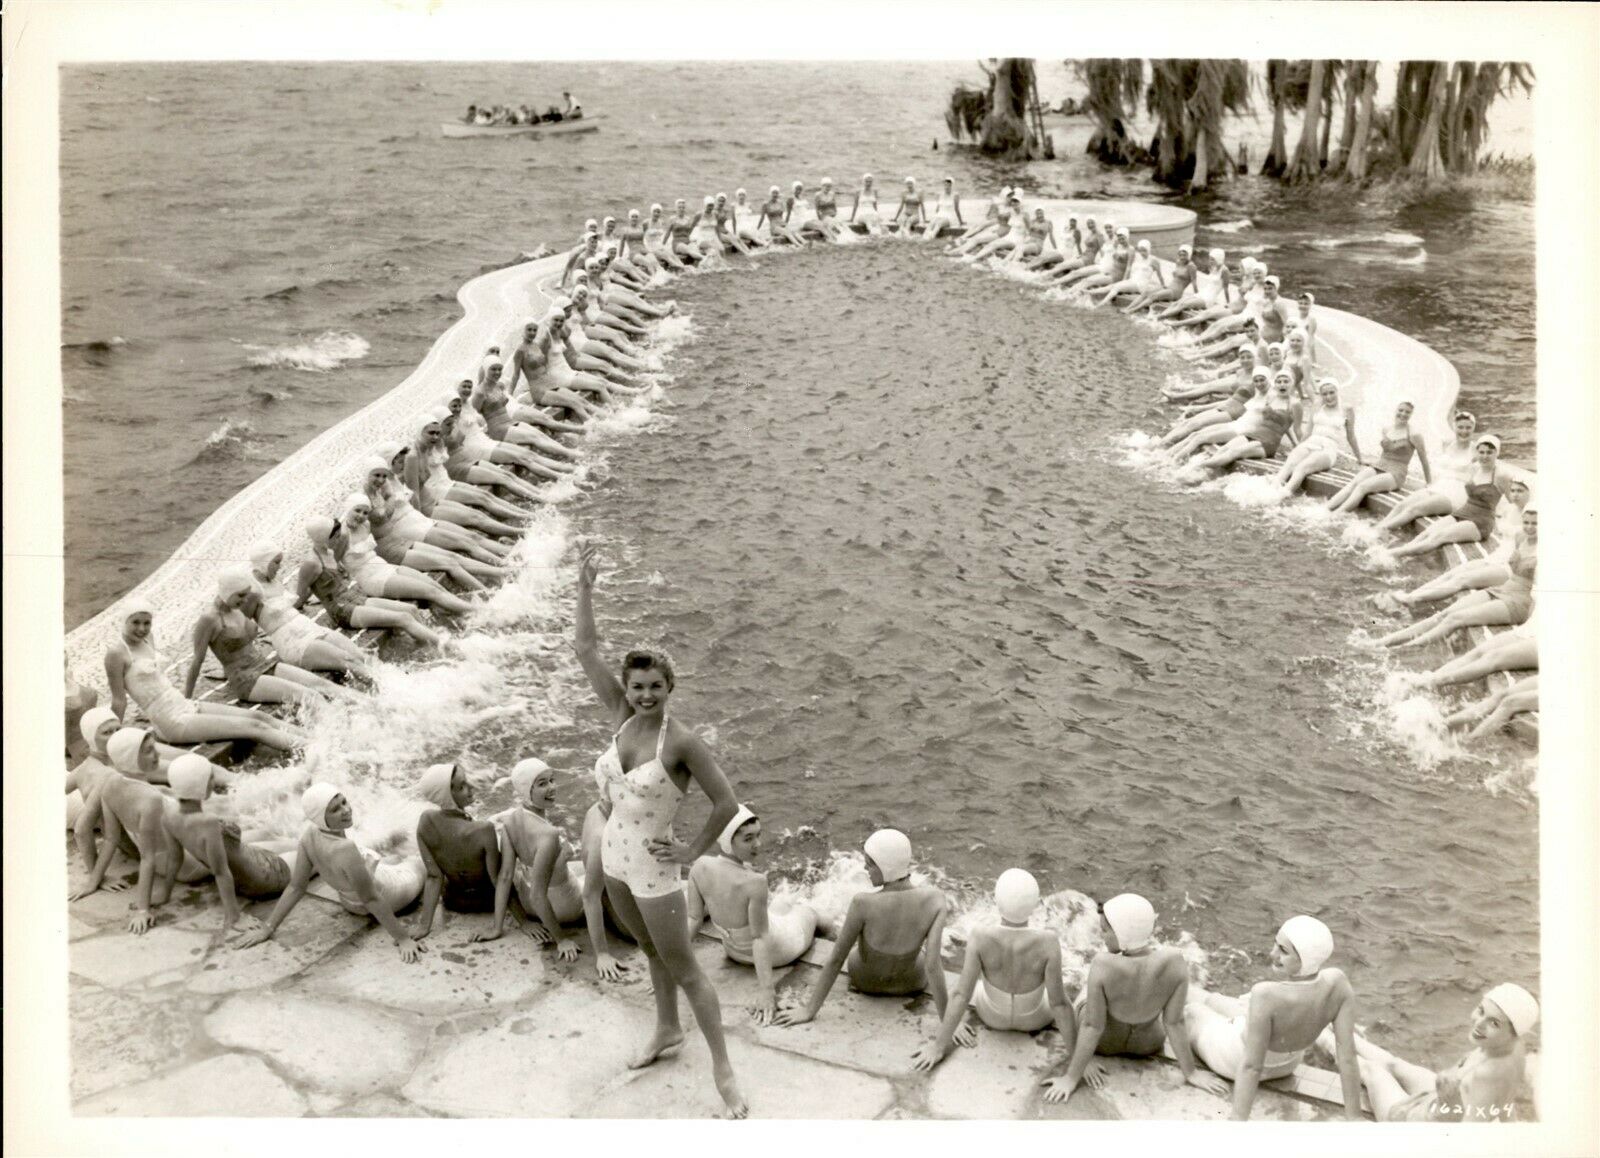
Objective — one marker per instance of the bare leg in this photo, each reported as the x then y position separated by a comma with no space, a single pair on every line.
1441,533
206,726
410,584
333,652
273,689
367,616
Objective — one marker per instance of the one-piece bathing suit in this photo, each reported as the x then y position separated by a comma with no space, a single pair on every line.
644,801
1396,460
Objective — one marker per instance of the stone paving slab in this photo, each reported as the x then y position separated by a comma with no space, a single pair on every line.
997,1078
777,1084
873,1034
339,1048
451,977
115,1039
310,933
221,1087
123,959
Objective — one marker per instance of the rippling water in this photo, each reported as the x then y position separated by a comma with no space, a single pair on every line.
883,517
278,244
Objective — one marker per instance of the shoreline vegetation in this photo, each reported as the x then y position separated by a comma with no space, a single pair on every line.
1430,135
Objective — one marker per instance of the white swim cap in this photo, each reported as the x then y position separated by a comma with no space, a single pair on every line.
633,213
314,803
798,185
1016,895
1309,298
1122,231
319,529
1272,280
774,189
609,221
190,777
740,193
1312,942
1132,919
890,850
1005,191
263,553
1185,249
523,776
91,722
234,580
709,200
1218,256
435,785
123,748
655,207
591,225
1143,244
1519,1006
437,414
741,818
826,181
1490,439
911,180
354,502
866,177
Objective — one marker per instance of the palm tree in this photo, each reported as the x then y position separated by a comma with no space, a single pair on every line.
1306,164
1114,86
995,116
1425,160
1475,87
1286,85
1222,87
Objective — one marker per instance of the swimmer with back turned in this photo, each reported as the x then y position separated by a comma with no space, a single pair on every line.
729,892
460,855
1133,1001
1011,974
1265,1035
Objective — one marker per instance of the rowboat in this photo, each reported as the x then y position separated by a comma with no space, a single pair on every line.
454,129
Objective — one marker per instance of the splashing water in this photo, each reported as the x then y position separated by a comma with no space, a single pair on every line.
328,351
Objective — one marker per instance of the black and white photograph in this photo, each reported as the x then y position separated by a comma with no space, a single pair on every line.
612,564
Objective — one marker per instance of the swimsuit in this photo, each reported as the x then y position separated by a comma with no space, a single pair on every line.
827,204
361,560
243,659
644,801
892,974
1221,1044
1129,1039
1482,498
290,632
335,591
1001,1010
448,836
495,419
257,872
167,709
399,524
1327,430
398,883
1396,460
1272,424
1517,592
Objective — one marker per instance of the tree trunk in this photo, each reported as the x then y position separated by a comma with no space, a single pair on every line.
1425,161
1356,167
1005,129
1277,158
1459,155
1354,80
1305,165
1327,132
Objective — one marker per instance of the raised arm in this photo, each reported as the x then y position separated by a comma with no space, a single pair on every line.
586,641
848,934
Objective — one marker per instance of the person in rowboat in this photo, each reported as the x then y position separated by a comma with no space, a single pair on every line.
135,669
324,576
1133,1002
1011,974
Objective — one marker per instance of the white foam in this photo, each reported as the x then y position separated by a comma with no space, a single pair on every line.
1388,238
327,351
1230,226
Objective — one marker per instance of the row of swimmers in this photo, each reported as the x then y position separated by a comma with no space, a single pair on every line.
684,238
1261,396
627,867
431,526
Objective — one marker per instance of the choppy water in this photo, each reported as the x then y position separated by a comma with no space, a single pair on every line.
886,516
278,244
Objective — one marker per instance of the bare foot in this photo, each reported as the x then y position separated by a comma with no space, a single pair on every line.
664,1043
728,1087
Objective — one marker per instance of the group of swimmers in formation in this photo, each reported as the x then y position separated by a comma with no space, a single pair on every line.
443,508
571,110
